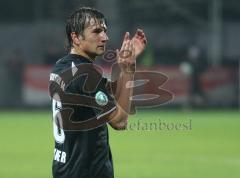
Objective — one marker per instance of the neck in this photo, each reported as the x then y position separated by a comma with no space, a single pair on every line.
82,53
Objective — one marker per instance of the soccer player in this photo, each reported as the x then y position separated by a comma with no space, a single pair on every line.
86,153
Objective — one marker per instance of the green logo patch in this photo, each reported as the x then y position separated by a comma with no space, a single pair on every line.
101,98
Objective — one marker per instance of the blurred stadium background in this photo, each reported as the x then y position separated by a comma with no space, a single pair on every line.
193,42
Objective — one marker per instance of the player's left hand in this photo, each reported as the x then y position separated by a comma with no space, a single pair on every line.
139,41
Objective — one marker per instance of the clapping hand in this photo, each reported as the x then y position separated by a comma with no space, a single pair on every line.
130,50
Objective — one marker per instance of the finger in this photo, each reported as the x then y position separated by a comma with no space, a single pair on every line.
139,31
126,36
144,40
129,51
123,46
142,37
126,49
130,46
133,51
125,39
117,53
136,35
141,34
130,54
121,57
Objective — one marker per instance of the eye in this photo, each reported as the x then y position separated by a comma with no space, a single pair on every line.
97,30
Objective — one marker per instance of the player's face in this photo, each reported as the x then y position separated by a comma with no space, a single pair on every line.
95,38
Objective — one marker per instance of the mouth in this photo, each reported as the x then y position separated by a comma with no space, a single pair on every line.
101,46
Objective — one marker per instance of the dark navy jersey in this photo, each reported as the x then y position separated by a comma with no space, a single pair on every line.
80,154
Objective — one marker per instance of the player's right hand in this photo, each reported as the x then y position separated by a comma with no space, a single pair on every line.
126,57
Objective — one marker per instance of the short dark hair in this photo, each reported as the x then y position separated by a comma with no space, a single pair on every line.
76,22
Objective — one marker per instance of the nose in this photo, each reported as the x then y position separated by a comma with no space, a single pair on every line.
104,37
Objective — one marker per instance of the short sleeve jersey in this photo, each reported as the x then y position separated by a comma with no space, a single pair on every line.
80,154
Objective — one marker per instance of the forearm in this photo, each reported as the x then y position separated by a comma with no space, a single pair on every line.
123,101
125,92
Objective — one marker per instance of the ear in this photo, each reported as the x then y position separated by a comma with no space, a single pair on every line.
76,39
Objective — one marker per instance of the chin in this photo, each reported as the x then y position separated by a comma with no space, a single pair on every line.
101,52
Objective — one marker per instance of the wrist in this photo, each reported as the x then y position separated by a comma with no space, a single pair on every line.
128,68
